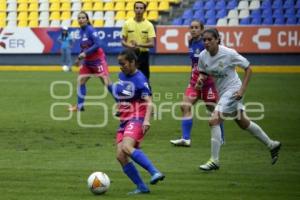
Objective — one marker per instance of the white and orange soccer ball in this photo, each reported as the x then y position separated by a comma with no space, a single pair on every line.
98,182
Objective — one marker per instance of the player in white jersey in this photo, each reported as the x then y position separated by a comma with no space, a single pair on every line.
220,62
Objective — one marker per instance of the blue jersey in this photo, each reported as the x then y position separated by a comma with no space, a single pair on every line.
90,44
195,48
130,92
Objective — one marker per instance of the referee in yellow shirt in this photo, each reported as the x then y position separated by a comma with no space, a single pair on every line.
138,33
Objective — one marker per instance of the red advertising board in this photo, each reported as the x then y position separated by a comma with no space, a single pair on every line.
250,39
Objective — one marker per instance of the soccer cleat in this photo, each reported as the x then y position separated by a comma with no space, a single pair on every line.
139,191
181,142
156,177
210,165
275,151
75,109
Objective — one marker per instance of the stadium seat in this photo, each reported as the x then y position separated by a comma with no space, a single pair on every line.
12,16
129,6
66,6
243,5
255,4
233,14
209,5
256,21
120,6
34,23
187,14
232,4
233,22
153,5
210,14
220,4
98,15
222,22
199,14
87,6
177,21
33,15
109,23
3,23
44,15
255,13
291,20
74,24
119,23
244,13
130,14
245,21
267,12
289,12
98,23
277,4
278,12
22,23
298,13
22,15
11,23
186,22
44,23
44,6
12,6
198,5
153,15
55,23
221,13
23,7
211,21
33,7
3,7
54,6
109,15
279,21
120,15
164,6
297,4
65,15
66,23
55,15
98,6
267,21
108,6
288,4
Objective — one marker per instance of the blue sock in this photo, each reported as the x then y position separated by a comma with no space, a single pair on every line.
140,158
222,132
130,170
80,98
186,127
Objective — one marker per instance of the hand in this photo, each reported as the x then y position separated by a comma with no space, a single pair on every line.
146,127
199,83
81,55
238,95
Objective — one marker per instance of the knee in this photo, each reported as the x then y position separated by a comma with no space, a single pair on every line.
185,107
127,149
243,124
213,122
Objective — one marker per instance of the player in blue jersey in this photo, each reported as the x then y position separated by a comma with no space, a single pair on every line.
92,59
208,93
135,106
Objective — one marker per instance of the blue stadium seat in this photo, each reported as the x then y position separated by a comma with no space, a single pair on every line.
267,12
199,14
220,4
209,5
278,12
187,14
279,21
277,4
210,14
198,5
221,13
211,21
255,13
298,13
297,4
245,21
298,22
177,21
187,21
288,4
267,21
289,12
256,21
291,20
266,4
232,4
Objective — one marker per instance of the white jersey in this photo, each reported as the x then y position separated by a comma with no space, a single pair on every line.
222,67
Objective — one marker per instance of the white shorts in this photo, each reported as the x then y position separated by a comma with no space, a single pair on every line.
228,104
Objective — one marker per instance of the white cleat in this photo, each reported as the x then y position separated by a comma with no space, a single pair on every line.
181,142
210,165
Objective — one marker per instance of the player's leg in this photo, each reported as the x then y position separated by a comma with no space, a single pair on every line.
130,170
134,134
257,131
189,100
81,93
216,142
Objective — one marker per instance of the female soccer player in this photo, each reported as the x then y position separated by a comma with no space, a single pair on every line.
92,59
208,92
220,62
135,107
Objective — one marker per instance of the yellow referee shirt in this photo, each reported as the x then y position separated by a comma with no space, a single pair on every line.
138,31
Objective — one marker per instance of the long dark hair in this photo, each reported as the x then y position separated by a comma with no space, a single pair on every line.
86,15
129,55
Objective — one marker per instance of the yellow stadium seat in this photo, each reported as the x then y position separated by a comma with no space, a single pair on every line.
164,6
33,15
74,24
33,23
2,6
98,6
66,6
55,15
152,5
22,23
120,6
55,6
33,1
22,1
22,15
129,6
2,23
153,15
98,23
130,14
33,7
109,6
86,1
120,15
87,6
65,15
53,1
23,7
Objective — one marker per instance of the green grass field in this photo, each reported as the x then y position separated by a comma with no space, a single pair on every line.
46,159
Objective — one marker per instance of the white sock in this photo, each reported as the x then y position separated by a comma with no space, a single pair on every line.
216,142
256,131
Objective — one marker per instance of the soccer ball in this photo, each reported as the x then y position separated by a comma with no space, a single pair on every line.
98,182
65,68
